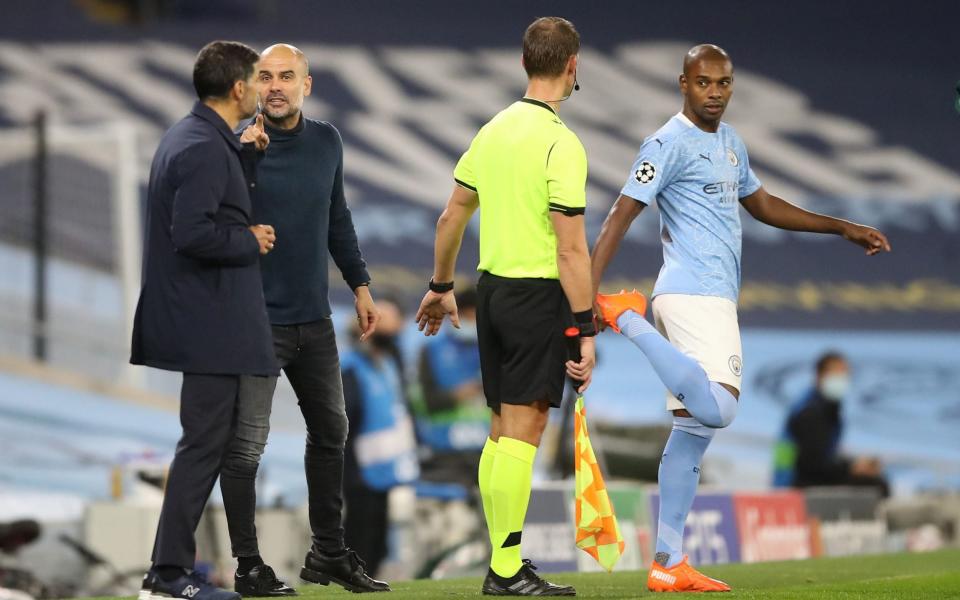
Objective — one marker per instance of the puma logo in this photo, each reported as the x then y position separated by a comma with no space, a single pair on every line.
664,577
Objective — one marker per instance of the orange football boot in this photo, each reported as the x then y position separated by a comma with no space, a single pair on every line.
614,305
681,577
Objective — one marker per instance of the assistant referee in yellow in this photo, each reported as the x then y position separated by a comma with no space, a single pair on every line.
527,173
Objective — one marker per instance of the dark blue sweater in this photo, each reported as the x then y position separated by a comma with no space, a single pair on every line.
299,190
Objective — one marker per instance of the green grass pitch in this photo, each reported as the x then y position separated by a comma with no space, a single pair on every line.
934,575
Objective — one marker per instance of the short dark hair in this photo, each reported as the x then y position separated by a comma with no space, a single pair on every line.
826,358
219,65
548,44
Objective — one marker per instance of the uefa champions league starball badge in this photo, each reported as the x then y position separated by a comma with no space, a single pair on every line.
646,173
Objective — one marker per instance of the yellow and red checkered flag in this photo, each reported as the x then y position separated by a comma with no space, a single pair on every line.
597,531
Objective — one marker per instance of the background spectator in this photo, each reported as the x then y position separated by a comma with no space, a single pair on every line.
808,454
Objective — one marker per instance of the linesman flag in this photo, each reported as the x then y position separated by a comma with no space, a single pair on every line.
597,531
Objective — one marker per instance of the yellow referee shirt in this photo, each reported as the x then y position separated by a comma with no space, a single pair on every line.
523,164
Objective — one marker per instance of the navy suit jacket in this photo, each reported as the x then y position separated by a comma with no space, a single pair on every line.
201,307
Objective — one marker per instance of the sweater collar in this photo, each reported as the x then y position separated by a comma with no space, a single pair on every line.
281,133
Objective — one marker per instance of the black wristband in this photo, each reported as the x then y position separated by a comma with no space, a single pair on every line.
587,329
584,316
585,323
440,288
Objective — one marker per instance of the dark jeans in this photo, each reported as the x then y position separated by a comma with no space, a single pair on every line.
367,514
207,404
308,356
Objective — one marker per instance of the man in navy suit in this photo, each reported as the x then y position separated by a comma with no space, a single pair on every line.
201,309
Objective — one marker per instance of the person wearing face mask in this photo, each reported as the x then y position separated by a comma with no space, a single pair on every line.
298,188
808,453
381,450
451,411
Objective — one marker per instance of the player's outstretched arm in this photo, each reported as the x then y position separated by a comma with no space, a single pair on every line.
450,227
777,212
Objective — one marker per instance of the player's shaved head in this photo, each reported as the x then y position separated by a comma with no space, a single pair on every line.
706,85
285,52
704,53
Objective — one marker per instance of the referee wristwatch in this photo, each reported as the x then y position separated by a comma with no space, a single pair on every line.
440,288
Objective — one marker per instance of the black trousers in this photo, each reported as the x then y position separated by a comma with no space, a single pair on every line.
308,356
366,524
207,415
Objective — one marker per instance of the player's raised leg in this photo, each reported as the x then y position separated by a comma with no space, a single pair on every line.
708,402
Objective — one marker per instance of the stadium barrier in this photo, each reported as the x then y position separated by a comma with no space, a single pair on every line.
712,535
723,527
845,521
730,527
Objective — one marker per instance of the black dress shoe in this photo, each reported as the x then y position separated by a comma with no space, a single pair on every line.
346,570
524,583
261,582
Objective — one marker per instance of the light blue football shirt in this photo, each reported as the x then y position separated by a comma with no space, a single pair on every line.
697,179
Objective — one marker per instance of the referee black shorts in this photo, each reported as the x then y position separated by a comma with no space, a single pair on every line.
520,324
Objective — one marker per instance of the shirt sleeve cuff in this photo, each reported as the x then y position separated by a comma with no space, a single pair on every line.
357,278
570,211
634,196
462,183
749,190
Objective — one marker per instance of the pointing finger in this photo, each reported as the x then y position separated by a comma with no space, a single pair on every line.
885,242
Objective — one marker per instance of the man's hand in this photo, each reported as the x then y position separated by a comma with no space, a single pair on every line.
583,371
433,308
367,314
255,133
265,237
867,237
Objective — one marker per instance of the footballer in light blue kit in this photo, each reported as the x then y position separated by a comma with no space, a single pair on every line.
697,170
697,179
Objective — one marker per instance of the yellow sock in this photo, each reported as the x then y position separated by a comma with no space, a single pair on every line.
483,478
510,480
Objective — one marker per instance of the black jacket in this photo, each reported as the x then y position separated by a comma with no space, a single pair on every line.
816,426
201,306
